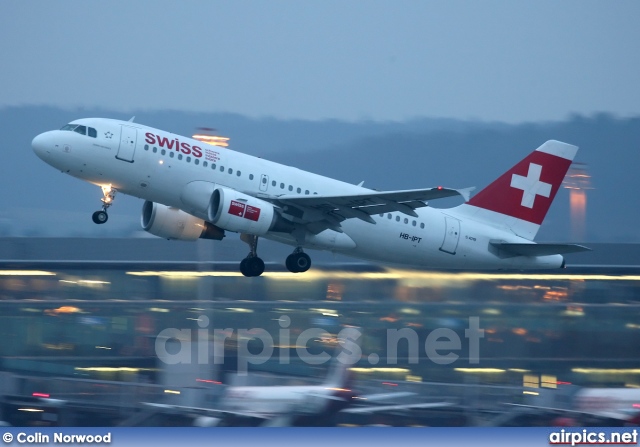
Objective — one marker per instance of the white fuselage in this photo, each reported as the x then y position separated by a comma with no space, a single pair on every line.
136,160
278,400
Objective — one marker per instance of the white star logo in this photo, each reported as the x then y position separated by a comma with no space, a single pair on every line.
531,185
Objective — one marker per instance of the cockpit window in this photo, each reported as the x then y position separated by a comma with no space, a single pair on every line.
82,130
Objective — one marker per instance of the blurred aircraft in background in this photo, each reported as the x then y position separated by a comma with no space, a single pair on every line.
299,405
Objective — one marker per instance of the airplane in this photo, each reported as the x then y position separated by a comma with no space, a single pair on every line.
275,406
300,405
194,190
583,407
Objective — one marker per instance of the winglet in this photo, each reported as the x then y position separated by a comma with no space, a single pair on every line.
466,192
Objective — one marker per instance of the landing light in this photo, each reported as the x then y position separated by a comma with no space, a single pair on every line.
479,370
391,274
25,273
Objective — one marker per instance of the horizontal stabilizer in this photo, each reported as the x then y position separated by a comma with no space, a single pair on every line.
538,249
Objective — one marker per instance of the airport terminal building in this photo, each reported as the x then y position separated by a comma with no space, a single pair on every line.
94,308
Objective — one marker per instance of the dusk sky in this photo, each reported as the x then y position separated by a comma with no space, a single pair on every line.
354,60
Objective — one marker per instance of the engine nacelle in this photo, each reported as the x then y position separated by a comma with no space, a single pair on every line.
173,223
235,211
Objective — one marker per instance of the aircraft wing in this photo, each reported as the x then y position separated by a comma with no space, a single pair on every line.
335,209
382,408
604,413
211,411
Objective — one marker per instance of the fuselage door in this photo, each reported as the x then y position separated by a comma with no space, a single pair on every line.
264,182
128,140
451,235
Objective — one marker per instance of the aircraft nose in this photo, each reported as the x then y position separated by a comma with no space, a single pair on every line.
41,144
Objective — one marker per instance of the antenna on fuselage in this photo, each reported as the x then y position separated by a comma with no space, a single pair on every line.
132,118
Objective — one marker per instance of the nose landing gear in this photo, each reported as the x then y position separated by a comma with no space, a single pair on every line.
109,194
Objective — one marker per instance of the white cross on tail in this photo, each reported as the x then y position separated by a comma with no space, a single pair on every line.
531,185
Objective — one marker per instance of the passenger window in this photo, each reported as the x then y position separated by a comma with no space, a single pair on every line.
273,183
163,152
397,218
389,215
146,147
290,188
264,180
281,185
179,156
82,130
92,132
155,149
230,171
171,154
205,164
298,190
188,159
421,225
406,220
238,173
221,168
413,223
213,165
196,161
306,192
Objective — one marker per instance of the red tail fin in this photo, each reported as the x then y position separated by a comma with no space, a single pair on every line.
527,190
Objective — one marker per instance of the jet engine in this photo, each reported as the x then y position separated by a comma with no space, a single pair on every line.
173,223
235,211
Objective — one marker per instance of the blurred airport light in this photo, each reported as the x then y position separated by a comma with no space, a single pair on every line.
205,134
578,181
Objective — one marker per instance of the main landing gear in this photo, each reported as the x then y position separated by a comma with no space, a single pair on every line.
298,261
109,194
252,265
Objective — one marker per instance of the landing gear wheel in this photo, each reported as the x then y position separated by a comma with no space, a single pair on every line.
109,195
252,267
100,217
298,262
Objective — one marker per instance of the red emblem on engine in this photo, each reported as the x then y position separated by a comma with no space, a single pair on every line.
241,210
252,213
237,208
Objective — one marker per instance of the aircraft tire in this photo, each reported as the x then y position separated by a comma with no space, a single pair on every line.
100,217
298,262
252,267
